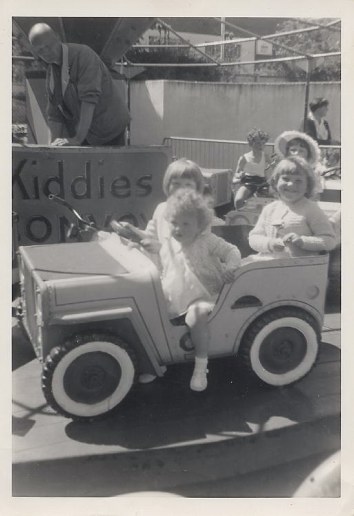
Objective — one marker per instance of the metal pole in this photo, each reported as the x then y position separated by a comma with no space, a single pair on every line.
257,36
232,63
222,33
237,40
307,90
329,26
188,42
128,103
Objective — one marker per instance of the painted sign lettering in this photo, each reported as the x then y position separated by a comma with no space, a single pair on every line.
121,184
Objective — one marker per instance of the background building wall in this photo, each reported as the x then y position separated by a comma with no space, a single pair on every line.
222,111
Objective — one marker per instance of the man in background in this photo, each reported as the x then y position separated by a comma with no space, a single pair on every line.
85,106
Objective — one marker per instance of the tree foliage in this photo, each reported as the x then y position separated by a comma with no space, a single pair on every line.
320,41
172,56
311,42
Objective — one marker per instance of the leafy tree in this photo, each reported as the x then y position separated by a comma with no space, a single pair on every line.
317,42
314,42
172,55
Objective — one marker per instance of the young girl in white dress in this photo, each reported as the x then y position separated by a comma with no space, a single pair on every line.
195,265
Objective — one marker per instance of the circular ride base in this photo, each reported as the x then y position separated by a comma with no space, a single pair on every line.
157,437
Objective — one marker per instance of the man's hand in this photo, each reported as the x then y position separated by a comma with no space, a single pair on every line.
60,142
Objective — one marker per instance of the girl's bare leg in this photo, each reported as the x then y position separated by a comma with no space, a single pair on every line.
197,321
242,194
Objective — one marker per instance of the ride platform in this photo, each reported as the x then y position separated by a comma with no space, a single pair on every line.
164,435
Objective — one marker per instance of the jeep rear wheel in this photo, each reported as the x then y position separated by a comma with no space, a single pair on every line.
281,347
88,376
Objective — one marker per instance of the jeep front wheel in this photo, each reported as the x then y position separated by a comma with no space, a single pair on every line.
88,376
281,347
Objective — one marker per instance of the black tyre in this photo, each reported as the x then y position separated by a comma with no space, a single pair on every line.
88,376
334,277
281,347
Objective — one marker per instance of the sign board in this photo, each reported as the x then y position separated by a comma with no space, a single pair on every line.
264,48
101,183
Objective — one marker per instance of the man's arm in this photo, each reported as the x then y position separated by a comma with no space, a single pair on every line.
55,120
89,89
56,130
86,115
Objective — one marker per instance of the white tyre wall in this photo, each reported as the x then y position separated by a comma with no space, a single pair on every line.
298,372
74,408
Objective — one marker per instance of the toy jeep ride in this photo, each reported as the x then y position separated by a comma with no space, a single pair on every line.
96,316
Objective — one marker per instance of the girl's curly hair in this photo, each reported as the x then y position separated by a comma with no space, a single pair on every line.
257,135
294,165
188,202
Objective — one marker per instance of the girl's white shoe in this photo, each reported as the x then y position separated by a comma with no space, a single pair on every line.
146,378
199,381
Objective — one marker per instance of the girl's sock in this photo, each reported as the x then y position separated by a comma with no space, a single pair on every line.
199,380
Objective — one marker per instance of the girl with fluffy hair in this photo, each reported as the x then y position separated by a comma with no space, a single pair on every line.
195,266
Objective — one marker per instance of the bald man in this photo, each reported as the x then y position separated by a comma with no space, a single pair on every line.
85,106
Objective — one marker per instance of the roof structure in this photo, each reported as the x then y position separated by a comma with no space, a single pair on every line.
261,26
113,37
109,37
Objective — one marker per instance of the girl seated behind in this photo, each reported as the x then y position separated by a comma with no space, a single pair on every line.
293,225
295,143
250,170
209,199
181,173
195,265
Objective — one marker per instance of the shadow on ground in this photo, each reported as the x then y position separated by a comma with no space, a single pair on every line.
166,412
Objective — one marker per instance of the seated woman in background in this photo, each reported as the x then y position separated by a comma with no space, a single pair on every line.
316,125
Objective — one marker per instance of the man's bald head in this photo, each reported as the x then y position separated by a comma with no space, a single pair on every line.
40,31
45,42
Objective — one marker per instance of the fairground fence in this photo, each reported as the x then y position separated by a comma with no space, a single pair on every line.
224,154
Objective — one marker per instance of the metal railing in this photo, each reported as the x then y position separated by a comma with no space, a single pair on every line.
209,153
